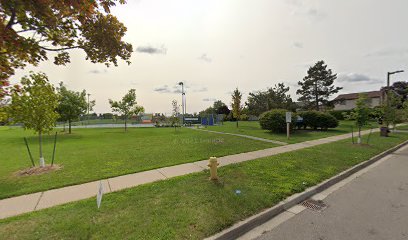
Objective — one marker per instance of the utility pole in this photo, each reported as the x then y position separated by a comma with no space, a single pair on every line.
88,107
183,96
388,88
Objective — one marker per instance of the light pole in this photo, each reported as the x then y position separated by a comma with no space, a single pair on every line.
183,96
388,91
88,107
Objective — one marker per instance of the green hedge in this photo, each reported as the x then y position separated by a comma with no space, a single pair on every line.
275,120
339,114
315,120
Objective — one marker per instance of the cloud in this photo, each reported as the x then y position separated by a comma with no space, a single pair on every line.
205,58
96,71
302,8
209,99
357,78
389,52
200,89
177,88
152,50
162,89
297,45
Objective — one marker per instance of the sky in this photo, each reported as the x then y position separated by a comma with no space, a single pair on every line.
215,46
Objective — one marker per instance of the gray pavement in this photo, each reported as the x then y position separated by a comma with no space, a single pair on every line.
373,205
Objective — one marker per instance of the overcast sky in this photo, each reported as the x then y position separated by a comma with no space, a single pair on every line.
215,46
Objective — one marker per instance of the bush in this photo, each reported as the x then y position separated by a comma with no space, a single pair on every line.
275,120
339,114
315,120
244,117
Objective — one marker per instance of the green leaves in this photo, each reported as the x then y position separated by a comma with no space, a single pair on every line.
34,105
317,86
31,29
128,106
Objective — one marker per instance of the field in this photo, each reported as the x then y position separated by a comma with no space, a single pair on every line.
192,207
253,129
93,154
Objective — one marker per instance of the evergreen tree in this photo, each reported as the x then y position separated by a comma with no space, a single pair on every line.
317,86
236,104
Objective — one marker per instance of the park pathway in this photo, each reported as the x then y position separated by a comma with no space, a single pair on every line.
244,136
41,200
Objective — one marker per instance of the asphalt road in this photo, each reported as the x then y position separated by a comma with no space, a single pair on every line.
372,206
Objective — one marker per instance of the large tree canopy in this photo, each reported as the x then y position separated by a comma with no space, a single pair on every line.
317,86
31,29
276,97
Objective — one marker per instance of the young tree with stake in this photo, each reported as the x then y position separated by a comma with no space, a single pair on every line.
34,106
361,114
127,107
236,104
175,117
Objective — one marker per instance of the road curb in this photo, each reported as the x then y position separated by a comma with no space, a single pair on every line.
245,226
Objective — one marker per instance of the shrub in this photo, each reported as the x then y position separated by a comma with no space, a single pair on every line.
339,114
275,120
244,117
315,120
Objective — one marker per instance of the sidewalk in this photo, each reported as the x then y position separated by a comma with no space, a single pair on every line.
371,204
41,200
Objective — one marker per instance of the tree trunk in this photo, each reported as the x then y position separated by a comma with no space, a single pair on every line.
125,124
359,136
42,162
317,97
69,126
237,122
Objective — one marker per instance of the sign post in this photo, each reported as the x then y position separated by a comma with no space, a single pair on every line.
99,195
288,121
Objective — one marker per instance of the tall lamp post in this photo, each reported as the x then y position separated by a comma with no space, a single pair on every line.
88,107
183,99
388,95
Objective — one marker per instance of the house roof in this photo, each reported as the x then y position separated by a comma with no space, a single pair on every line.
351,96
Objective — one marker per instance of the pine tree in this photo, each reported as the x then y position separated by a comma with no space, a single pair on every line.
317,86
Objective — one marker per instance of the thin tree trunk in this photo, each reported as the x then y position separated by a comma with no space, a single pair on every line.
359,135
69,126
41,151
125,124
317,97
237,122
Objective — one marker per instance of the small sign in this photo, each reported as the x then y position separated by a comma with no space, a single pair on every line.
99,195
288,117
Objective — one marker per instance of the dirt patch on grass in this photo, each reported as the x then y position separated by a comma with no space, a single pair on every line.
38,170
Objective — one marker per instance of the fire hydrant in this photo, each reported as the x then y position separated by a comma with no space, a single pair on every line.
213,164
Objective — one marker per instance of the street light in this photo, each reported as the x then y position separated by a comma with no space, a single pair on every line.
88,107
388,98
391,73
183,96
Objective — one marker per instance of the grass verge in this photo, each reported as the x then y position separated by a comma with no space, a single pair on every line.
252,128
191,207
92,154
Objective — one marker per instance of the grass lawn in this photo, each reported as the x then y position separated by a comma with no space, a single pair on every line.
192,207
92,154
252,128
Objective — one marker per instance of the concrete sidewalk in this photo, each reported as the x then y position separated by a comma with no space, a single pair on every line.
371,204
36,201
244,136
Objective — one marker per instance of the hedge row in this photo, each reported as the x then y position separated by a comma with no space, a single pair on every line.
275,120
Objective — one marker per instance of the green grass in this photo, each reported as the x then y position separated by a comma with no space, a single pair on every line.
92,154
252,128
192,207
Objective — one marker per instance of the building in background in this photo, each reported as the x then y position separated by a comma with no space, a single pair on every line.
348,101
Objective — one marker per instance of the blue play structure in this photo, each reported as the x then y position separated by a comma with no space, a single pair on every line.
208,120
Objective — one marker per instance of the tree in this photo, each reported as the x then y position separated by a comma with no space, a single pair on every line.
317,86
127,107
31,29
273,98
175,116
391,112
361,113
71,104
236,104
34,106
